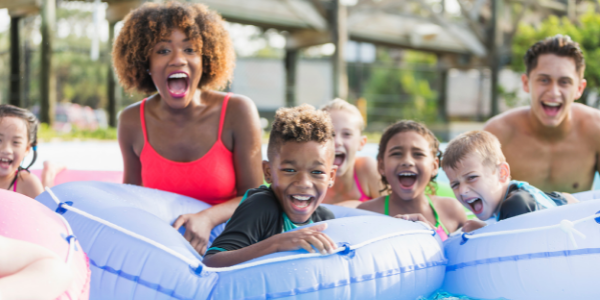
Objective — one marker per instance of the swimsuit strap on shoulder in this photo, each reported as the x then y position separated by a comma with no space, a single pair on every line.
363,196
435,214
386,208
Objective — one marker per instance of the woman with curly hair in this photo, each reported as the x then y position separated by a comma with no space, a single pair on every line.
186,138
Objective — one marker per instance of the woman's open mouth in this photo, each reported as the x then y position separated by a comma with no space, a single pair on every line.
407,179
551,108
178,84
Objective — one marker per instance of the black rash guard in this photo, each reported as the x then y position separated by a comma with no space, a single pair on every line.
259,217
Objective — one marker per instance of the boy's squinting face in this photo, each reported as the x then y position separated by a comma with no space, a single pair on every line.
408,164
554,85
300,175
477,186
348,139
14,144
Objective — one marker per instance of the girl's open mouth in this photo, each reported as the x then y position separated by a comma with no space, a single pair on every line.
551,108
407,179
339,159
5,163
178,84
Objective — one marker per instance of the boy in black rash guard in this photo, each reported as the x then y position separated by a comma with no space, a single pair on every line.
480,179
300,169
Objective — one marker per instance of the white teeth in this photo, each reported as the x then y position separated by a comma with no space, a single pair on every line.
301,198
178,75
407,174
552,104
5,160
472,200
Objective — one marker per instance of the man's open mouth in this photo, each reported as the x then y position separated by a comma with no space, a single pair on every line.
407,179
551,108
178,84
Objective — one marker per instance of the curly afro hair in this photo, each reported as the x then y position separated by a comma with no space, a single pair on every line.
404,126
300,124
145,26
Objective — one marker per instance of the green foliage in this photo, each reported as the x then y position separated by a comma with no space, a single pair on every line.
586,33
46,133
405,92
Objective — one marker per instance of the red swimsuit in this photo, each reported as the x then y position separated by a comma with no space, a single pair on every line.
211,178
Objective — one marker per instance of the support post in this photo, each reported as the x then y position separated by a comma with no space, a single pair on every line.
339,32
47,77
291,66
442,110
15,63
111,84
494,56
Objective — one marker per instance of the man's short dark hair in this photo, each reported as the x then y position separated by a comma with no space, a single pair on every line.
560,45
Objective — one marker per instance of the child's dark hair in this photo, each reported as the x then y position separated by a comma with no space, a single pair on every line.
300,124
7,110
404,126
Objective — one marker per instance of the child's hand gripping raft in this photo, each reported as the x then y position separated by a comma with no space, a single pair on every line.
300,170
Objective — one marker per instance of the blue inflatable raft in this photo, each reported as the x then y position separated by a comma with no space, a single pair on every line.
135,253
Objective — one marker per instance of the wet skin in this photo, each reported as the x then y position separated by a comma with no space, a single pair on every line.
554,149
348,140
183,127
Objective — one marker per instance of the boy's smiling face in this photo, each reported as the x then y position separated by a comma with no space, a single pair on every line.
479,187
300,175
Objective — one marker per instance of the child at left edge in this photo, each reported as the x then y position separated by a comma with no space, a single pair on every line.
300,170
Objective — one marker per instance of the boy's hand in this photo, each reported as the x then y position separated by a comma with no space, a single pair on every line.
197,230
304,238
414,218
471,225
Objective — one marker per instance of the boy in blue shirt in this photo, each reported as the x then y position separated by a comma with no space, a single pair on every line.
300,169
480,178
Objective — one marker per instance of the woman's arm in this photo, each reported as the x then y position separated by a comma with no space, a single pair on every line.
242,134
29,271
128,131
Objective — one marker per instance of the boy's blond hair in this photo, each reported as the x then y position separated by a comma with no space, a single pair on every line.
483,143
340,104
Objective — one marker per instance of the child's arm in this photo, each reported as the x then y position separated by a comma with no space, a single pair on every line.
304,238
474,224
366,170
29,271
29,185
570,199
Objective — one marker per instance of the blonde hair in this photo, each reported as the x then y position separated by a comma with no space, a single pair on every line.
483,143
343,105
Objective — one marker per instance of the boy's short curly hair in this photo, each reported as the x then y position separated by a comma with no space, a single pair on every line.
145,26
299,124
